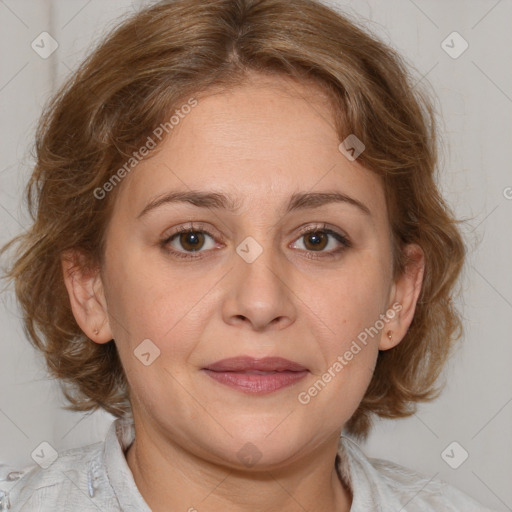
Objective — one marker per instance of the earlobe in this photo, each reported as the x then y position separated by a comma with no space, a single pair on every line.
404,297
86,296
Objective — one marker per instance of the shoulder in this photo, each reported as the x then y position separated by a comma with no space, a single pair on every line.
422,492
387,485
65,483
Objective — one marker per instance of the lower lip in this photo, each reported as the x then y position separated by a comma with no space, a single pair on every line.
257,384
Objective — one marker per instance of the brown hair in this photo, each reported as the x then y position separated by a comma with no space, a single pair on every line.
131,84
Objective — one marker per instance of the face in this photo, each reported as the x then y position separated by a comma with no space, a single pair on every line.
275,271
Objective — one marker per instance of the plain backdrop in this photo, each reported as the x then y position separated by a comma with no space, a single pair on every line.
474,91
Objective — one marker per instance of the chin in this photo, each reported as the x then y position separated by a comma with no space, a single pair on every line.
263,449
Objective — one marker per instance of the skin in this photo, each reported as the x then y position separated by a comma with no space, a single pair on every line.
260,143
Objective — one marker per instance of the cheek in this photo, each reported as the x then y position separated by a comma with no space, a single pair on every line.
148,301
348,342
351,301
347,315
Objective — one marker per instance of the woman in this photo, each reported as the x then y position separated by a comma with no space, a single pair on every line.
240,251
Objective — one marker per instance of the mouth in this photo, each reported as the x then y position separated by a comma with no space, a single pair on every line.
256,376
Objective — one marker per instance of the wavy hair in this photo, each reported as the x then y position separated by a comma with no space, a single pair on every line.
133,81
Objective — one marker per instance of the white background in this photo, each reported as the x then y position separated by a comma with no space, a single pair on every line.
475,101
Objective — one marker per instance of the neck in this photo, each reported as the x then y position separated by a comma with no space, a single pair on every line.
175,476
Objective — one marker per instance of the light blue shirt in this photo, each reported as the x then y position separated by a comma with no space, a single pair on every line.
97,478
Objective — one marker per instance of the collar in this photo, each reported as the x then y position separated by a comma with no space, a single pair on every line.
119,438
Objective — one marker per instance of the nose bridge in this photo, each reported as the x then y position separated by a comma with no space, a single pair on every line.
259,292
261,272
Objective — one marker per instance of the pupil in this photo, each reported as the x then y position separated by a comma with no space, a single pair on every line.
191,241
317,240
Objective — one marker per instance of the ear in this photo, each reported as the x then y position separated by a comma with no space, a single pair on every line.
86,295
403,297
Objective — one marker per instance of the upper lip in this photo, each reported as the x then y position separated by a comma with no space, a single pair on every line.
247,363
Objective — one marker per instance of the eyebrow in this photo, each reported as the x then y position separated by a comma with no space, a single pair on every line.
298,201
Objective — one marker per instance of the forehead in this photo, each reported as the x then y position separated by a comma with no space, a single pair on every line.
263,140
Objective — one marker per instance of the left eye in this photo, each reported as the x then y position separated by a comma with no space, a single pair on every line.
317,240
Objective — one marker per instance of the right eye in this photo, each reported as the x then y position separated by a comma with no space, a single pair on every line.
187,240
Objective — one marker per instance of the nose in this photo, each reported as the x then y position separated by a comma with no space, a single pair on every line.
259,294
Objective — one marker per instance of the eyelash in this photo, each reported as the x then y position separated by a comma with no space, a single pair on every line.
303,232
